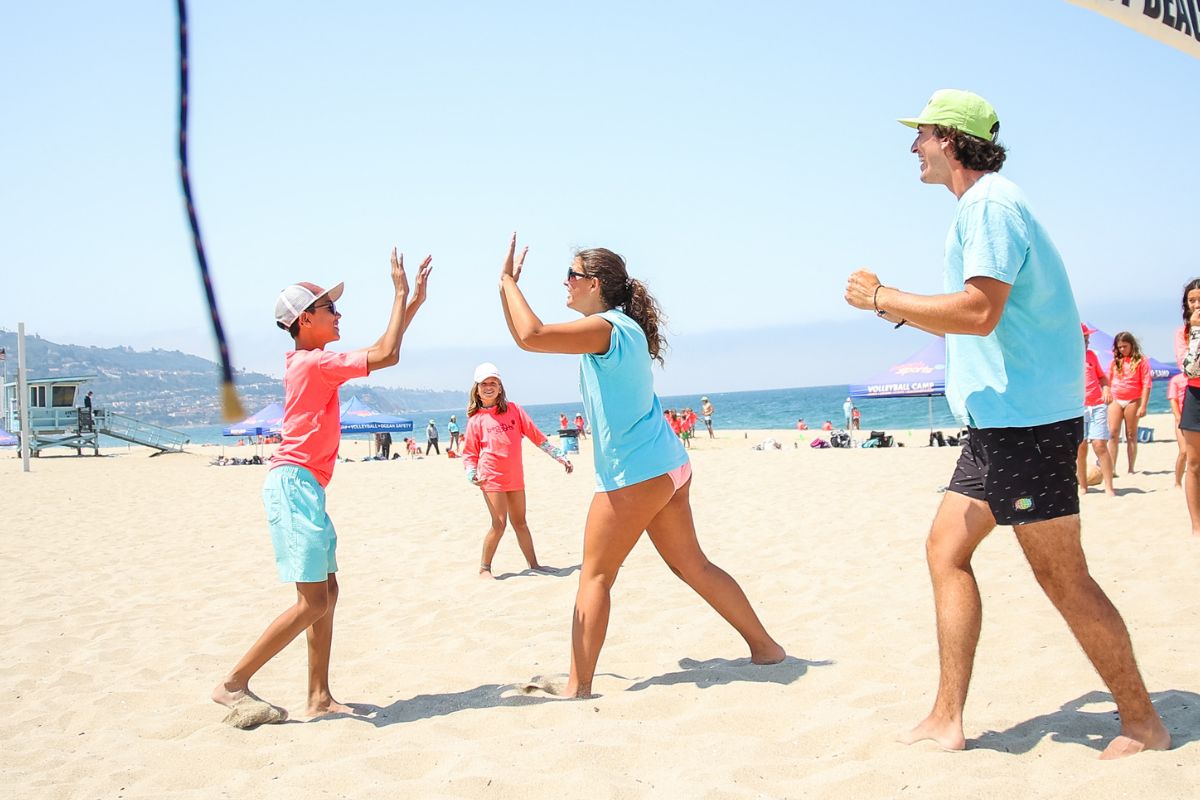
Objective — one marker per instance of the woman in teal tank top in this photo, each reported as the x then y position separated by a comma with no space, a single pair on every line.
643,477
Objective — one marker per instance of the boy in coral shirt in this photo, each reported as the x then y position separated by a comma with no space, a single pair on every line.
303,536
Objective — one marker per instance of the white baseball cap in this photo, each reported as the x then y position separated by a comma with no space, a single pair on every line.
486,370
294,299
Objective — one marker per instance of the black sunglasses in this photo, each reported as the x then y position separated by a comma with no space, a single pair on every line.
332,308
573,274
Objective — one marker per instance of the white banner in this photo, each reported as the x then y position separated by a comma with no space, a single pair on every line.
1173,22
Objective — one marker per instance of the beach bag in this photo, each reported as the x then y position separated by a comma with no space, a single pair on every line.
818,443
840,439
871,443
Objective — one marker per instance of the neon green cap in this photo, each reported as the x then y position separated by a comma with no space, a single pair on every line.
963,111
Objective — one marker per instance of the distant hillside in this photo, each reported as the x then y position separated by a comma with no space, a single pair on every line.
171,388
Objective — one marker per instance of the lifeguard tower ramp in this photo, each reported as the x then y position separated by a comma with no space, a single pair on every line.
55,421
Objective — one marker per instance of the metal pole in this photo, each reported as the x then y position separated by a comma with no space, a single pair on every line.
23,397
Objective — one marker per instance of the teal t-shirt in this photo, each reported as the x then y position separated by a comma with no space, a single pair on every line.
631,440
1026,371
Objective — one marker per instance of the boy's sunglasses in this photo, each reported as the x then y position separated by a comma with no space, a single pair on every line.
573,274
332,308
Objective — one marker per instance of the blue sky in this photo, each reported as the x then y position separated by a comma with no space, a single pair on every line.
743,157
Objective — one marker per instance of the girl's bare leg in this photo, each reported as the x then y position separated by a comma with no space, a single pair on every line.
1191,478
497,505
1116,415
615,521
673,533
1181,459
516,516
1131,426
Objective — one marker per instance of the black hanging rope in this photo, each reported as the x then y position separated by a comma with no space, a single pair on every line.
231,406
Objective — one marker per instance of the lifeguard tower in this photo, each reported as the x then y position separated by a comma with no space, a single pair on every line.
54,421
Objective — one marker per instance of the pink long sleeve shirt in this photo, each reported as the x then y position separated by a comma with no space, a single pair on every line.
492,447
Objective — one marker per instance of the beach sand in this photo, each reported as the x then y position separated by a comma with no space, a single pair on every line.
134,583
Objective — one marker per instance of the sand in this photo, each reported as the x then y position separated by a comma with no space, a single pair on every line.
134,583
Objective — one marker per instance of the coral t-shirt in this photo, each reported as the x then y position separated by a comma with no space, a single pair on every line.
492,447
1093,391
312,424
1128,382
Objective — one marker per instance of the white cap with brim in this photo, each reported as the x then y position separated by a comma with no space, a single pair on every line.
486,370
293,300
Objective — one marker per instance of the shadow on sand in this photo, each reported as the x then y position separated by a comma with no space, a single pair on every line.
722,671
559,572
1180,711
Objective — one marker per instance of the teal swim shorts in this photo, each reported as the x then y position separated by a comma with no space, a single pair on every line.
302,533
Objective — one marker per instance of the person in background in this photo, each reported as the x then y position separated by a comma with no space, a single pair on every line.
431,438
455,433
563,424
706,410
1176,392
581,425
492,458
801,425
848,412
1096,398
855,419
385,445
1187,353
1129,377
827,425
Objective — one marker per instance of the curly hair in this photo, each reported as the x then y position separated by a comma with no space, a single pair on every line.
474,403
971,151
1135,352
618,290
1190,287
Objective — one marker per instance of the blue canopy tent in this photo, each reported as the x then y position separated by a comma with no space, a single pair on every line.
7,439
358,417
923,374
1102,344
268,419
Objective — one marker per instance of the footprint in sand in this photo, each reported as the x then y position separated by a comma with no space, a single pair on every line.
249,713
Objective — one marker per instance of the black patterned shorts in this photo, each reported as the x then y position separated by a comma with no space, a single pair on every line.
1023,474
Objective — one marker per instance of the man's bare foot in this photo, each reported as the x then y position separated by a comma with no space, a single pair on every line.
769,654
1128,745
947,735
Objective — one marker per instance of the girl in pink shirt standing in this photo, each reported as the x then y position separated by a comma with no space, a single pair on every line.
1129,376
492,458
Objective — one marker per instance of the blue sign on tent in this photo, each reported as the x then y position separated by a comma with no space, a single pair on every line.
923,374
358,417
266,420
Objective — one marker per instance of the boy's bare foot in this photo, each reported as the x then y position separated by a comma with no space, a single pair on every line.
326,708
1128,745
947,735
250,712
770,654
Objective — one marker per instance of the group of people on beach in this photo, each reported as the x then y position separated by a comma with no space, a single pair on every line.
1012,338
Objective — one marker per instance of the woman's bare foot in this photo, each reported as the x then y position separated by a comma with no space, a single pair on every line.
544,570
554,687
947,735
485,571
768,654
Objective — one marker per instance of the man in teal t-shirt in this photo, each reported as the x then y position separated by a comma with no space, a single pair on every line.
1012,375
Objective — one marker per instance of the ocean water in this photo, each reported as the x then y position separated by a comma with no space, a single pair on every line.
757,410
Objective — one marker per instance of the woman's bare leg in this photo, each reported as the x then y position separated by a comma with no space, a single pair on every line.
1181,458
615,521
497,505
673,533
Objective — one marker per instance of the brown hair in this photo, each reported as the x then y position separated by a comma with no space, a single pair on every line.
618,290
1135,352
971,151
1191,286
474,403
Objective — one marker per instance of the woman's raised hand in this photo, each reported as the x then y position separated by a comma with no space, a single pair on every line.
512,266
421,286
399,278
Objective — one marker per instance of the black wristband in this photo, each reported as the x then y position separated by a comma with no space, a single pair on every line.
898,324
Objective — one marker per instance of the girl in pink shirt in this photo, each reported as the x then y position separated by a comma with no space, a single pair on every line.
492,458
1129,376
